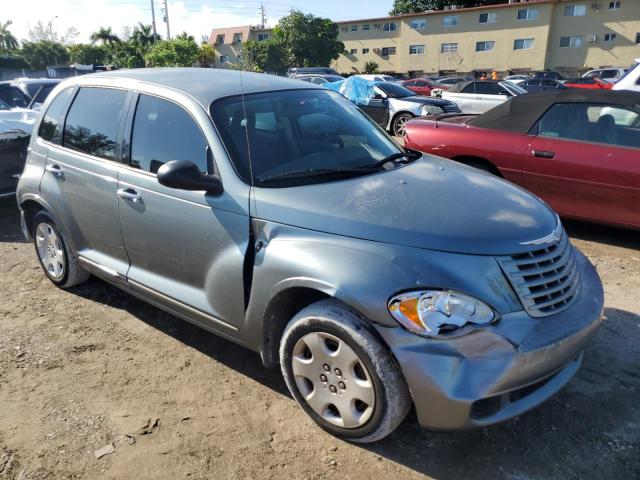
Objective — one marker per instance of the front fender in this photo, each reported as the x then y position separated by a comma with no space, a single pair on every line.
361,273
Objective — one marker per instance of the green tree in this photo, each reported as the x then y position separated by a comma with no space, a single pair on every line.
104,35
87,54
185,36
370,67
417,6
173,53
43,53
143,36
8,42
126,55
265,56
307,40
206,55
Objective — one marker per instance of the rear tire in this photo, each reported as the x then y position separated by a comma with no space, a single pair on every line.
58,261
341,374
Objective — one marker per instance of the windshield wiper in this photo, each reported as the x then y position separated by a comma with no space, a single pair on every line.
318,172
395,157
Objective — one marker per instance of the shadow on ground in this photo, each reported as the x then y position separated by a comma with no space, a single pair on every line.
10,221
589,430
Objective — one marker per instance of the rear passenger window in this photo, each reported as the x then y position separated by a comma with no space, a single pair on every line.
163,131
92,121
53,121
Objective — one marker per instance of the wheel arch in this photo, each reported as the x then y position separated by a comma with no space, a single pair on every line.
396,114
478,162
30,208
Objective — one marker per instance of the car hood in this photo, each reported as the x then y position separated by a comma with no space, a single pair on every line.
423,100
431,203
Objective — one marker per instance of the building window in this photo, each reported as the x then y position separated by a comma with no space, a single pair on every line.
354,28
377,26
523,44
390,27
366,26
486,46
220,39
344,28
263,36
353,51
419,23
610,37
365,50
448,48
386,51
528,14
416,49
614,5
573,41
224,58
487,17
575,11
237,37
449,20
638,38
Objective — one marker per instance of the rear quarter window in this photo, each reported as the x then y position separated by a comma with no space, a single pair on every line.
53,121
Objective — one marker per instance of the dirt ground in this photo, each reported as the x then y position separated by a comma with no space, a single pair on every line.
94,367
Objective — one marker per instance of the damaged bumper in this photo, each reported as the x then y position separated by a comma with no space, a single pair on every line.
497,373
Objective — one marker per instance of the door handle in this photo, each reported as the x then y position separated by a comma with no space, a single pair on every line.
129,194
543,153
55,169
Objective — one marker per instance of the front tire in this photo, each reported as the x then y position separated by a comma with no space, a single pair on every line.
341,374
57,259
399,124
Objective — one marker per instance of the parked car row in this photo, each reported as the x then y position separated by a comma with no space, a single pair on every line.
276,214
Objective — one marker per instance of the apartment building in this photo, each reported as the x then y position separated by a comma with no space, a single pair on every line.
228,42
570,36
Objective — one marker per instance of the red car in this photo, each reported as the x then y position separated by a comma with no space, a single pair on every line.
592,83
577,150
422,86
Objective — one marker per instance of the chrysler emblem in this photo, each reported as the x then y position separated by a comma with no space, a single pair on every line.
553,237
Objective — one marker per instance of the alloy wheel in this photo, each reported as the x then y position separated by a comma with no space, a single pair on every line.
50,251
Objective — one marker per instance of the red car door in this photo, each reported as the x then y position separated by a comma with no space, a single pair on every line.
585,162
422,88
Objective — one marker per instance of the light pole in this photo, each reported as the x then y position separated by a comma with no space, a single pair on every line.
153,22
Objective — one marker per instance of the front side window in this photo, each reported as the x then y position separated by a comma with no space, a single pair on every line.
528,14
416,49
13,97
573,41
163,131
450,20
523,44
53,121
92,122
487,17
390,27
608,124
418,23
448,48
575,10
486,46
316,130
487,88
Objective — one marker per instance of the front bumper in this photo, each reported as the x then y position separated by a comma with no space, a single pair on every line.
497,373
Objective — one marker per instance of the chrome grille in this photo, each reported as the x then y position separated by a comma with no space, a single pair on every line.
546,280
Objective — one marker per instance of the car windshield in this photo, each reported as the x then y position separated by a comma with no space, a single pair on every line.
13,97
282,134
513,88
333,78
629,70
394,90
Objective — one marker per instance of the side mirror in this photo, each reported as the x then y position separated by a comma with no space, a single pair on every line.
378,96
184,175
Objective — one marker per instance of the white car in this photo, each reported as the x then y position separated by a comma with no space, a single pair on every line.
631,79
378,77
609,75
479,96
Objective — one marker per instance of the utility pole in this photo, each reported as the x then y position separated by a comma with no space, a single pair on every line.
153,22
166,19
263,16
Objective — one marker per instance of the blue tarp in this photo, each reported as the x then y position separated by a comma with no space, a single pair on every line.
356,89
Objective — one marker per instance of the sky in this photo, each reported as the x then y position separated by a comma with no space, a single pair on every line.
197,17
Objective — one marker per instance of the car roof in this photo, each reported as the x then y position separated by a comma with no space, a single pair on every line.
521,112
205,85
27,81
458,87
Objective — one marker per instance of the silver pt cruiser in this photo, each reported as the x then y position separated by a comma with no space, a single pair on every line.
276,214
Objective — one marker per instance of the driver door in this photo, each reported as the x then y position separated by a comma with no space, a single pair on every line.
186,248
377,107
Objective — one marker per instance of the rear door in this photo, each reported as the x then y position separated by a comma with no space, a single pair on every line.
186,248
81,176
585,161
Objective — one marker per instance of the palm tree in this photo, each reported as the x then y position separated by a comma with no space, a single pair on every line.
104,35
185,36
143,36
7,40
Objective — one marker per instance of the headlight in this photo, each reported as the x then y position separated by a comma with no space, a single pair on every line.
431,110
435,312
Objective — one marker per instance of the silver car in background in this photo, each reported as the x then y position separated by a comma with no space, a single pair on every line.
277,215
